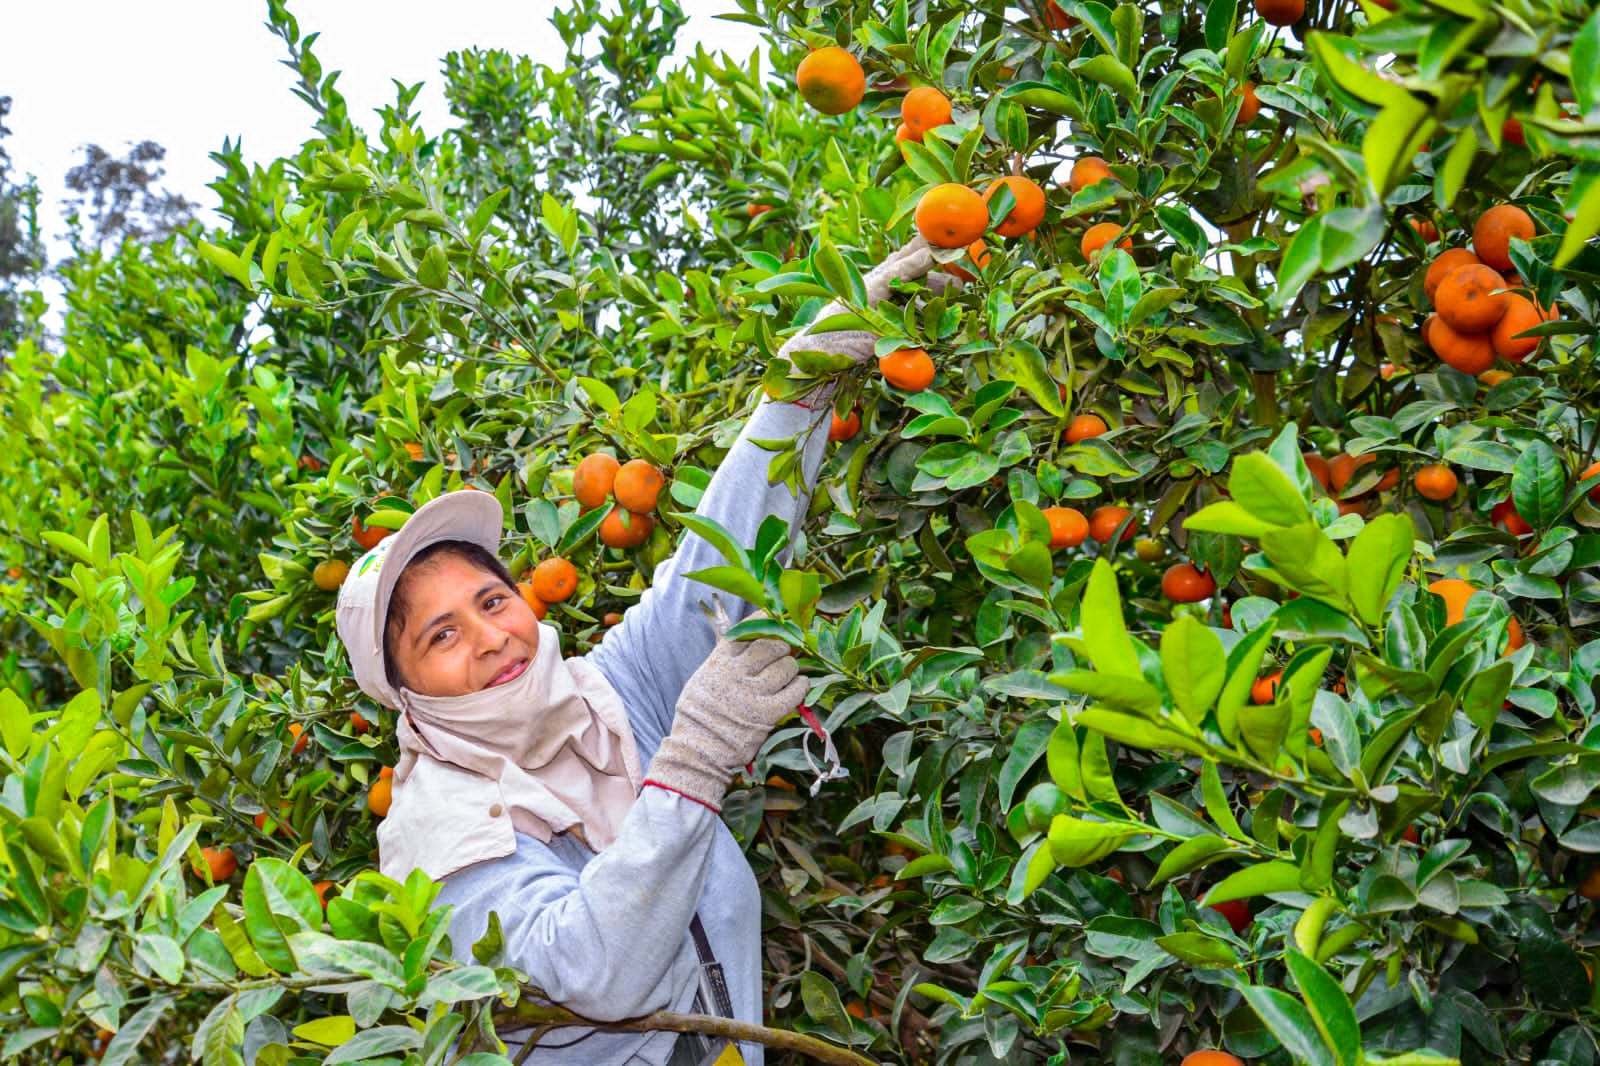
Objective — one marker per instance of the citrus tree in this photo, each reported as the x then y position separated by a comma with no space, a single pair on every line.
1200,593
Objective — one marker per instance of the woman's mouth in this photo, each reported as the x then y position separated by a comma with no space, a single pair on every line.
510,673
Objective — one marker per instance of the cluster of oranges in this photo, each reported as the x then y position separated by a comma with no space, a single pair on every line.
1475,318
635,486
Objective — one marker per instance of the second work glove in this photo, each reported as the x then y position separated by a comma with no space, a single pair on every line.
725,712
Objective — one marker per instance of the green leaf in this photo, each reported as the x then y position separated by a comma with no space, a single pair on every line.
1227,516
329,1032
1104,633
278,902
1262,879
1263,727
1032,739
1113,74
375,1043
1308,561
1585,60
1062,759
1390,144
1262,488
1192,854
732,580
1138,732
838,274
719,538
1221,17
1079,842
1244,664
121,1049
1122,693
1199,948
822,1004
1192,661
1292,1024
1383,551
1538,485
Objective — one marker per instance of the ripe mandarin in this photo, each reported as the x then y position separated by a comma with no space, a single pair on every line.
381,794
951,216
831,80
625,529
1281,12
1068,527
1249,103
1099,235
531,598
1445,263
1186,583
910,369
842,429
1468,299
330,574
554,580
1028,211
923,109
1088,170
1492,234
1082,427
1435,482
638,486
1521,314
1103,522
593,478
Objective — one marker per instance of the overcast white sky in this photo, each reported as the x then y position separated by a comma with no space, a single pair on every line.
187,73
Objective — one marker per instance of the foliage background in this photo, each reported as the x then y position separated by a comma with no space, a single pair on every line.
1049,801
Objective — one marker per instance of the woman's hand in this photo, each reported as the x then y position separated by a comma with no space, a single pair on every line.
910,262
724,713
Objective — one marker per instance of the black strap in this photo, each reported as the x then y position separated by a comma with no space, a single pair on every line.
711,970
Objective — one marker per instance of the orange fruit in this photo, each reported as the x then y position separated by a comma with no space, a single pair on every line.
531,598
903,132
1387,371
1504,514
1425,229
923,109
1082,427
1068,527
757,210
1103,522
1028,211
381,793
978,253
321,889
593,478
1237,911
1455,593
1099,235
414,450
1265,689
330,574
1467,299
910,369
842,429
1209,1057
1343,467
1490,378
359,724
1055,17
1521,314
1470,353
623,528
1511,131
365,535
554,580
301,738
638,486
1435,482
1314,734
1250,105
1353,507
1281,12
1318,468
831,80
1149,549
1588,472
1186,583
1589,887
220,861
1445,263
1491,236
951,216
856,1009
1088,170
611,618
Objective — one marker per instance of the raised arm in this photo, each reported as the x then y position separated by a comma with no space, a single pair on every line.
664,637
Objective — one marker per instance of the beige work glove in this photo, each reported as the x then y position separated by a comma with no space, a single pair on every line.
724,713
908,263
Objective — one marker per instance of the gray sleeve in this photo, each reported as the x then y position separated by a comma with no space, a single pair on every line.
605,942
664,637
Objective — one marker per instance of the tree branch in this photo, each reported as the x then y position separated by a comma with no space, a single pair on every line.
544,1015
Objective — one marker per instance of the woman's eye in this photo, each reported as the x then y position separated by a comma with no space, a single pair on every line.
493,601
443,635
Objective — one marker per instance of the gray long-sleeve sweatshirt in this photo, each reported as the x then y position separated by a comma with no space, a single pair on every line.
607,935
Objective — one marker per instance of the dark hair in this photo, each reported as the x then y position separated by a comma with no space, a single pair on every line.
394,622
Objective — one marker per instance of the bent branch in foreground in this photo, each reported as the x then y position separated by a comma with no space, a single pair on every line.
543,1016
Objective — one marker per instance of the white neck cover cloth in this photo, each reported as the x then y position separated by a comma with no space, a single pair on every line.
556,741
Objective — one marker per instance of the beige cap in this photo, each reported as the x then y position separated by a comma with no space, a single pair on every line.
469,515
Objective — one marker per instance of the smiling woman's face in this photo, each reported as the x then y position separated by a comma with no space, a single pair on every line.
461,629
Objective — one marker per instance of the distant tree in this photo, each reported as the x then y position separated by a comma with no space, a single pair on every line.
119,199
21,253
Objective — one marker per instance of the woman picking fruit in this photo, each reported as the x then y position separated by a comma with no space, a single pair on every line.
578,798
